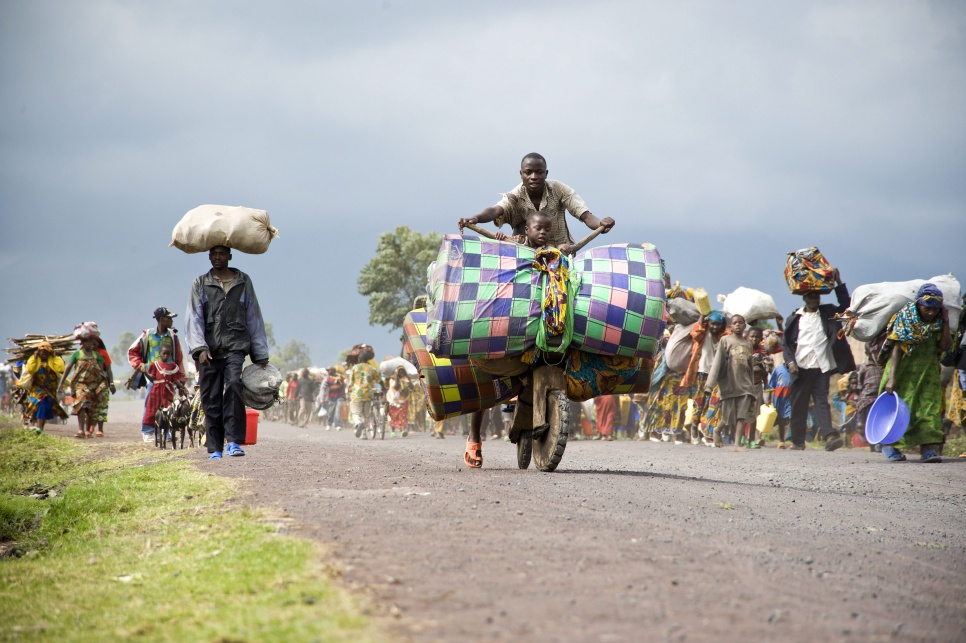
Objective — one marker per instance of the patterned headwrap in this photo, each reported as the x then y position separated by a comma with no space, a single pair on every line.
716,316
930,296
908,328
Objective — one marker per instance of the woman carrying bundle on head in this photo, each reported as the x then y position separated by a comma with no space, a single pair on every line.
39,379
916,337
89,386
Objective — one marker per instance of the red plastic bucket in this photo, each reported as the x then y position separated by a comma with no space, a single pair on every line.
251,427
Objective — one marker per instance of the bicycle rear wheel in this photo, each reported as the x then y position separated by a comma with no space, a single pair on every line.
373,421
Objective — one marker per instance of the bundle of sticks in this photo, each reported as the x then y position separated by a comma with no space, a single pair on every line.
25,346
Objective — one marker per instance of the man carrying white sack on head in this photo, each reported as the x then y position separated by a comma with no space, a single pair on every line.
223,325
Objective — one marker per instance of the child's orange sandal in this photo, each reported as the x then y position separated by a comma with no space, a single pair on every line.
473,456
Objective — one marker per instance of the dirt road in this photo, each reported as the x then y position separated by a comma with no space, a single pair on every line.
627,541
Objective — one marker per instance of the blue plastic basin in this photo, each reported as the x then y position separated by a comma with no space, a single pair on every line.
888,420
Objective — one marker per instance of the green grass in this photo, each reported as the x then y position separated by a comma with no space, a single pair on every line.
141,544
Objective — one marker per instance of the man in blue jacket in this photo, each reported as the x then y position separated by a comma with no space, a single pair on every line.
812,351
223,325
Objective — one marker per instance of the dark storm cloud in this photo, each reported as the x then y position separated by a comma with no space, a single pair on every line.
726,133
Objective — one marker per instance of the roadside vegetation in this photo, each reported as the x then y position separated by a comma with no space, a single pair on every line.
123,543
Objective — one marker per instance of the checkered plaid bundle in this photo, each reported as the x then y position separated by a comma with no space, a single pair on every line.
453,386
619,306
484,299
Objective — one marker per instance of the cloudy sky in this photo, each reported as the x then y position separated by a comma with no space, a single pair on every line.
725,133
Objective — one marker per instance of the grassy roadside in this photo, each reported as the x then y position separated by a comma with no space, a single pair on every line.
133,544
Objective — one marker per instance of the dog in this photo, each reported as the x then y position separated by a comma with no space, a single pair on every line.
172,419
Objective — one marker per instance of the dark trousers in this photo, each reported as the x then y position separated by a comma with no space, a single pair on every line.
810,384
221,398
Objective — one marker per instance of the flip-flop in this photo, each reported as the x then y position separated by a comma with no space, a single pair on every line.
473,456
233,449
99,434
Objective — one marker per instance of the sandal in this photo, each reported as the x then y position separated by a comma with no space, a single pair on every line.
99,434
473,456
80,434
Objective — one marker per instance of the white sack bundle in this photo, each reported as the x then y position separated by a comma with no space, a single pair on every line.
387,368
243,229
873,305
750,304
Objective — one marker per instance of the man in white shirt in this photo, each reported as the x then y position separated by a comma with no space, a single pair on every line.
812,351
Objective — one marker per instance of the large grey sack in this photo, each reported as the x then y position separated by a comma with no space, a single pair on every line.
677,353
260,386
875,304
682,311
259,380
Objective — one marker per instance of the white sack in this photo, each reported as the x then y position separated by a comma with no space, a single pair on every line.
750,304
243,229
682,311
677,353
875,304
387,368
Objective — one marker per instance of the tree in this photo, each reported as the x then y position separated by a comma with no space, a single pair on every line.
291,357
397,274
119,351
270,336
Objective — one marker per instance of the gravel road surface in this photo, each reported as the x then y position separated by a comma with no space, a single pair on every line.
626,541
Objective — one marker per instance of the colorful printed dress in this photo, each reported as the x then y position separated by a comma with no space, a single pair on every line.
667,403
39,382
164,375
89,385
417,407
918,384
398,399
101,415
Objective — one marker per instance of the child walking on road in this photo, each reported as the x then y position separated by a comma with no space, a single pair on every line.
165,377
733,373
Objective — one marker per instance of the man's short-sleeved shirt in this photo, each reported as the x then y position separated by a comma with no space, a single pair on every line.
558,199
362,382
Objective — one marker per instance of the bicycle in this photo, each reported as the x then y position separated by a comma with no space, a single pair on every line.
375,423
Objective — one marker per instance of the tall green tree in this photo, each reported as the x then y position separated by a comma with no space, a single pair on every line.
291,356
118,352
397,274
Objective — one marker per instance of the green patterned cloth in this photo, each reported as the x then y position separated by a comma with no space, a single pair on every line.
919,386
